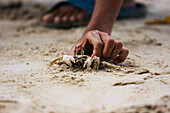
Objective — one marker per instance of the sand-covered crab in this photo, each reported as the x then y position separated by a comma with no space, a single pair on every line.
83,62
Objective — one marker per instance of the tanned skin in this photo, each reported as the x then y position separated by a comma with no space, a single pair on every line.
96,39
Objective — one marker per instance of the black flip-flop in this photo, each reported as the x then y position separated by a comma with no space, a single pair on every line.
140,10
64,25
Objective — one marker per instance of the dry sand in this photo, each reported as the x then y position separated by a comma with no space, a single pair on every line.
28,85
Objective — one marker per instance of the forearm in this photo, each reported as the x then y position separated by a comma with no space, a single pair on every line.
104,15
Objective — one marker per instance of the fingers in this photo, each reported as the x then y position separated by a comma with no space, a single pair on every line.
116,50
122,56
109,44
76,48
94,39
112,47
96,43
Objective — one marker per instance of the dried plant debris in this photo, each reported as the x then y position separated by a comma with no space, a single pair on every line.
128,83
83,62
143,71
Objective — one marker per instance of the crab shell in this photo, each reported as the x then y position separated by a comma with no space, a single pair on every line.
86,62
67,59
81,61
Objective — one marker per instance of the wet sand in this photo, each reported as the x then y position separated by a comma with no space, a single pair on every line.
28,84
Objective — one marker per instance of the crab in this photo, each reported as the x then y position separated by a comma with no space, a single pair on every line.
82,61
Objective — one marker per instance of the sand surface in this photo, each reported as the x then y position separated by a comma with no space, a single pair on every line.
28,85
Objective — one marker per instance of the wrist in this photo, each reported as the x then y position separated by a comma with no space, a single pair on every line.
98,27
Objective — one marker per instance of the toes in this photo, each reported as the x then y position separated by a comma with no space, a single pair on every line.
81,15
65,13
58,17
66,16
78,15
48,18
73,17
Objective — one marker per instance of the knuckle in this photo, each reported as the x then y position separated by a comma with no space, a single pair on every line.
93,33
111,40
88,35
120,44
100,44
104,33
96,31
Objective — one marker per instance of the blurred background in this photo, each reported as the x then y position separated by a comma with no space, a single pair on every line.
28,9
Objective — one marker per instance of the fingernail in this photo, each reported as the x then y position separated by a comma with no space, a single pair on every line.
64,19
72,18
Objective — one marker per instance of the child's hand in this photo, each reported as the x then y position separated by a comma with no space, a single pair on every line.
96,43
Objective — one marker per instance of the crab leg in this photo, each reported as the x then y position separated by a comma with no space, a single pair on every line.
67,59
109,65
96,62
88,63
54,61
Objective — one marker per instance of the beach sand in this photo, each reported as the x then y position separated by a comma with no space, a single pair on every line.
29,85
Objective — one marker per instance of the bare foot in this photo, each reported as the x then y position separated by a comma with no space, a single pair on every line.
71,13
65,13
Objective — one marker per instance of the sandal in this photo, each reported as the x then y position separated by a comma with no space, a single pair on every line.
140,10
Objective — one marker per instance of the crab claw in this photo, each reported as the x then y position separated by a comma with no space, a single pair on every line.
54,61
88,63
68,59
96,62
